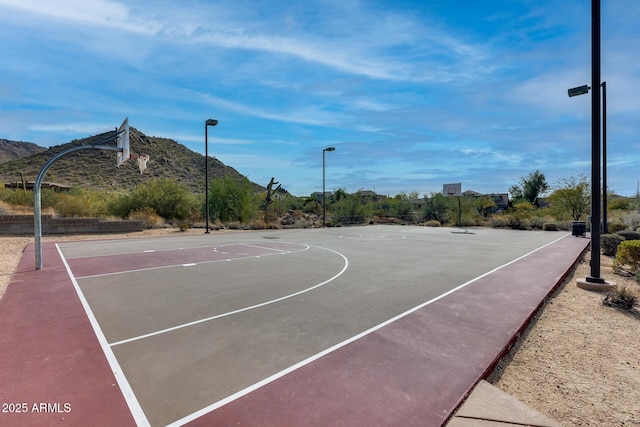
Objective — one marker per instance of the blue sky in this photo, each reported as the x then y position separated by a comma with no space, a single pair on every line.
412,94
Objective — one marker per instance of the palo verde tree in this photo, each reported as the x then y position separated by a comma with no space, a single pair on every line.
530,187
571,196
231,200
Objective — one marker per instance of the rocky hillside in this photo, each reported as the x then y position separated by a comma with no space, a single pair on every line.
96,169
12,150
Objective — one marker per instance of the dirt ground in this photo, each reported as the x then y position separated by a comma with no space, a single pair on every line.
578,363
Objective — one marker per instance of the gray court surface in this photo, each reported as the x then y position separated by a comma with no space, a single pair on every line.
194,321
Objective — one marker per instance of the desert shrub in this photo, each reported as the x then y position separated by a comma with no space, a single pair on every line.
629,254
621,297
536,222
167,197
148,216
614,227
81,203
499,221
432,223
629,234
550,226
609,243
518,221
632,219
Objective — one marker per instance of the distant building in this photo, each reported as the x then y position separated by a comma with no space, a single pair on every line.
318,195
58,188
501,200
368,195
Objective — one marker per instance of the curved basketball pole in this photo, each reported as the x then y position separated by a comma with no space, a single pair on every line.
37,205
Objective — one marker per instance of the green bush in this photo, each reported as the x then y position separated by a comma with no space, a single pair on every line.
616,226
550,226
629,254
168,198
609,243
81,203
629,234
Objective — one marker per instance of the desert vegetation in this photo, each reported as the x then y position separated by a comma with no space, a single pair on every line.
234,202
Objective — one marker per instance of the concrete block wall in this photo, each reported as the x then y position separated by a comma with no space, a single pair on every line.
18,225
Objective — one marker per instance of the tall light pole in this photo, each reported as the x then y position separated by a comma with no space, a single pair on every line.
209,122
605,228
324,196
595,143
594,278
581,90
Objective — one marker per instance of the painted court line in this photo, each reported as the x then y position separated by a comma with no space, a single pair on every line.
129,396
243,257
262,304
65,246
317,356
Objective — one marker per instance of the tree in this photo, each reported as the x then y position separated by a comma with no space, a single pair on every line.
231,200
436,207
530,188
572,196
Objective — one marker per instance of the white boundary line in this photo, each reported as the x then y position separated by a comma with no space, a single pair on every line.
282,252
240,310
129,396
317,356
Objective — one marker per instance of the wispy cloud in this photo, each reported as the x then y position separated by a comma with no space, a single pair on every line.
410,93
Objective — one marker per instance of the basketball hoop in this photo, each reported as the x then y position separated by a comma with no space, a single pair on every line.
142,160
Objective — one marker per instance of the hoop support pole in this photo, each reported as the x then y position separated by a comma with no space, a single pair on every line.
37,205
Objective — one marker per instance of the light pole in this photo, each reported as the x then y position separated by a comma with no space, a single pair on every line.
209,122
605,229
594,278
581,90
324,207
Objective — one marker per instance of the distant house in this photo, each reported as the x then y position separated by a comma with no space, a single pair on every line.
541,202
280,194
318,195
58,188
417,204
501,200
368,195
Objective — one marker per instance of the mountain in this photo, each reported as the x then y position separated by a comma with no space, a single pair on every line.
12,150
96,169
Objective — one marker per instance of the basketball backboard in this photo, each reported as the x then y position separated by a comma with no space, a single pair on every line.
452,190
123,142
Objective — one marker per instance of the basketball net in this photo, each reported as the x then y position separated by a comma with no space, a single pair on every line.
142,160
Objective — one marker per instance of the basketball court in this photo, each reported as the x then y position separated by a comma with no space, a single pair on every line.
215,329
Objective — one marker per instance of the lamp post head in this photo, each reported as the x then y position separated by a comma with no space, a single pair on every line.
580,90
211,122
330,149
